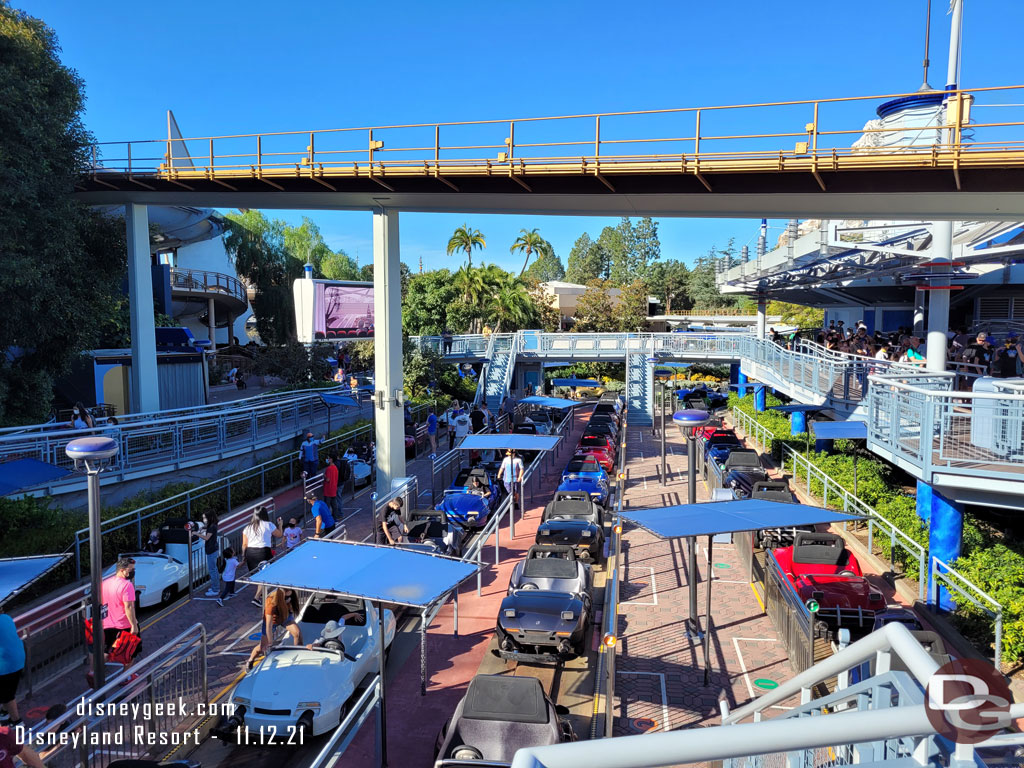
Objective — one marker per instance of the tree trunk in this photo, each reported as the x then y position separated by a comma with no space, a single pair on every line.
528,251
668,303
469,257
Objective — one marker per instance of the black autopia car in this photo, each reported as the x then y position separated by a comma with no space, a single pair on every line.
573,519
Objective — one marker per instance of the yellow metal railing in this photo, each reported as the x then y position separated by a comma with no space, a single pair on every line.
810,136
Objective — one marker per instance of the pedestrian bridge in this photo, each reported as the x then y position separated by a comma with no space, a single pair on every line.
970,445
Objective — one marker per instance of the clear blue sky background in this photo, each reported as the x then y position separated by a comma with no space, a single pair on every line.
262,65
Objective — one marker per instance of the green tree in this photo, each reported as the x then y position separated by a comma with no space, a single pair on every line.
616,243
527,242
466,239
546,267
646,247
511,308
433,303
668,281
587,261
797,314
257,246
62,262
631,311
548,318
594,311
701,287
338,265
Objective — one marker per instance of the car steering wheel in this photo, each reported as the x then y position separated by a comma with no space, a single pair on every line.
466,752
528,585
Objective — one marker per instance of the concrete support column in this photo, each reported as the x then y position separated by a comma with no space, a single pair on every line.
387,349
938,301
945,520
145,386
760,397
211,324
798,423
919,313
762,310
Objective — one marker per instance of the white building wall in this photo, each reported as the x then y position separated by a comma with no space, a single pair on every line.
210,255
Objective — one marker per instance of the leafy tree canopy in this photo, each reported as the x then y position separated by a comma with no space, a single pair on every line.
587,261
797,314
594,311
546,267
668,282
62,262
631,311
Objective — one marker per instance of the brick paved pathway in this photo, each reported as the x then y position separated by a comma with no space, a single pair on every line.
660,673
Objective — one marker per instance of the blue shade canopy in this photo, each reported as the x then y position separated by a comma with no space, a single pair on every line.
840,430
503,442
349,569
661,364
575,383
730,517
549,402
25,473
16,573
339,400
799,408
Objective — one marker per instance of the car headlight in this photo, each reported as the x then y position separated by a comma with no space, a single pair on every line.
544,532
568,615
585,534
241,701
308,705
510,613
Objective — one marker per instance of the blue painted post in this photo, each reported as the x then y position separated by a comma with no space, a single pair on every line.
823,446
945,520
741,385
759,397
798,423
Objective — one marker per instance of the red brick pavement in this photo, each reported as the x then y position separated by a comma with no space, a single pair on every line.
660,673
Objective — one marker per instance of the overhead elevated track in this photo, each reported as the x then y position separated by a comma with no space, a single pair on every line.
685,161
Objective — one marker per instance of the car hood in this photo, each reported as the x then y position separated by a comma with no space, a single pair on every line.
588,485
459,505
536,609
288,676
567,531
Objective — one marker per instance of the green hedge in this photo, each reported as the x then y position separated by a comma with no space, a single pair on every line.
994,565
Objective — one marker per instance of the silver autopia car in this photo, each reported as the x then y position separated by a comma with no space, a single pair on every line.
498,716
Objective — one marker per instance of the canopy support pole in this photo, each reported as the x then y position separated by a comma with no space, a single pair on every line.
455,623
423,652
707,617
382,717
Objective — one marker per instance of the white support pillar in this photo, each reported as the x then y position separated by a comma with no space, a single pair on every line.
211,324
387,349
145,387
762,310
918,329
938,300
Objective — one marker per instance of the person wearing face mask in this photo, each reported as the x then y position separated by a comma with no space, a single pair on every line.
81,418
117,608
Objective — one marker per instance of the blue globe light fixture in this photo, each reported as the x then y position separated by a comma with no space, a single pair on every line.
92,452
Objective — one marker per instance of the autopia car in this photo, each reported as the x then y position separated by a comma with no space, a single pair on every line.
294,688
160,577
820,568
498,716
539,625
573,519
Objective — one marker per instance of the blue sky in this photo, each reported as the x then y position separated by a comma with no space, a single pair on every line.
259,66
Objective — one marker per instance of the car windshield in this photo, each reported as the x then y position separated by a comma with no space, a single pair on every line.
593,441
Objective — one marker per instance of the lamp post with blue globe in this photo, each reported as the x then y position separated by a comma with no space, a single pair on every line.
689,421
91,453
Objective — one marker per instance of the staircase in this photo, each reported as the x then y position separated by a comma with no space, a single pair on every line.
639,386
501,360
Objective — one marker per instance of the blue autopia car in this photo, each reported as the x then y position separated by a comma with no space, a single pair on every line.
719,452
469,510
711,398
596,488
585,467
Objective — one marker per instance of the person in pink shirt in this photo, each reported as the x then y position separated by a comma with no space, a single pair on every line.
118,605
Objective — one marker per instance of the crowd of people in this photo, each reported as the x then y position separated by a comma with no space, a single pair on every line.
976,354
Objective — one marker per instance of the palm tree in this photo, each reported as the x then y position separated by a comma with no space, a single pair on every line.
528,241
473,286
466,239
511,307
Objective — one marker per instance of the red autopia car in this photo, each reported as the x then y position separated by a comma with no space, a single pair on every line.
601,447
820,568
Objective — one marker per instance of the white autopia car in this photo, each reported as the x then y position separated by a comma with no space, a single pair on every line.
295,688
160,577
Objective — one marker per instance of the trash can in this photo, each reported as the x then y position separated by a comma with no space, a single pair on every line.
1008,426
984,414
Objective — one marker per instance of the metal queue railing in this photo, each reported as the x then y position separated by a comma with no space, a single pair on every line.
156,698
946,577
